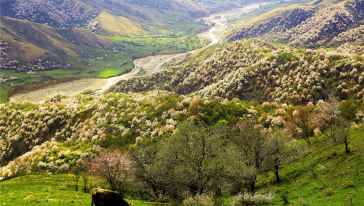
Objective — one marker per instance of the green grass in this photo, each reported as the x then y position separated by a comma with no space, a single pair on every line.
48,190
109,73
4,97
323,175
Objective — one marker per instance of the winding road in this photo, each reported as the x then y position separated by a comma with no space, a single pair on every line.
219,24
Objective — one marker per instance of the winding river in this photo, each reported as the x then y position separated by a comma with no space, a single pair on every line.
219,24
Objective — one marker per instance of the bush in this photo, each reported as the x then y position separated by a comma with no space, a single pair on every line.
199,200
252,199
347,184
329,191
284,196
349,109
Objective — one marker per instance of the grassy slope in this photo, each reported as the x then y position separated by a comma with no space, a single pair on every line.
59,190
338,179
114,25
45,190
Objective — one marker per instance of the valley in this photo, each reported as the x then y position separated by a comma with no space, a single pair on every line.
219,25
182,102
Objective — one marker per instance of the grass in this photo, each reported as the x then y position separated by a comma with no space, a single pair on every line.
323,175
4,97
118,25
48,190
109,73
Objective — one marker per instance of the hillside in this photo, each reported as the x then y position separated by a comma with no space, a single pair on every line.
261,67
334,181
254,70
271,113
310,27
53,137
50,47
82,39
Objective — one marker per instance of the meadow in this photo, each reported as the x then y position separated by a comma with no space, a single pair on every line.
47,189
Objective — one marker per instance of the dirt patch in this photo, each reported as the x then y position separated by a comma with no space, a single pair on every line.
71,88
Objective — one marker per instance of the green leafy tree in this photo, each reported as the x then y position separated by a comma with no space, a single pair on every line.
251,140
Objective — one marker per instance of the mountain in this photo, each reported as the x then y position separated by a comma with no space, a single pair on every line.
262,70
50,47
309,27
70,29
70,13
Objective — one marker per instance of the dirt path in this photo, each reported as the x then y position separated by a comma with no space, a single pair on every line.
219,25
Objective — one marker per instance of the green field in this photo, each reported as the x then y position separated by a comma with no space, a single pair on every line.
46,190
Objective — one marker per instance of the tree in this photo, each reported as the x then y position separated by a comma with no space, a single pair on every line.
251,140
114,167
301,123
278,152
337,127
195,159
149,171
328,115
195,155
80,170
341,133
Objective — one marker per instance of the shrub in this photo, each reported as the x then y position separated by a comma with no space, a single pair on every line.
329,191
253,199
284,196
347,184
199,200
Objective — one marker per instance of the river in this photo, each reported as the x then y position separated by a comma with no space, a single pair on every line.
219,24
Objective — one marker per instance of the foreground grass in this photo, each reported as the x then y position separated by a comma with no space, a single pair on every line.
323,175
46,190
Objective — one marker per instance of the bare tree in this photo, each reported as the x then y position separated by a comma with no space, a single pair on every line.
114,167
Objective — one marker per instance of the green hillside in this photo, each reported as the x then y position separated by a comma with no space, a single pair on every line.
324,175
321,176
